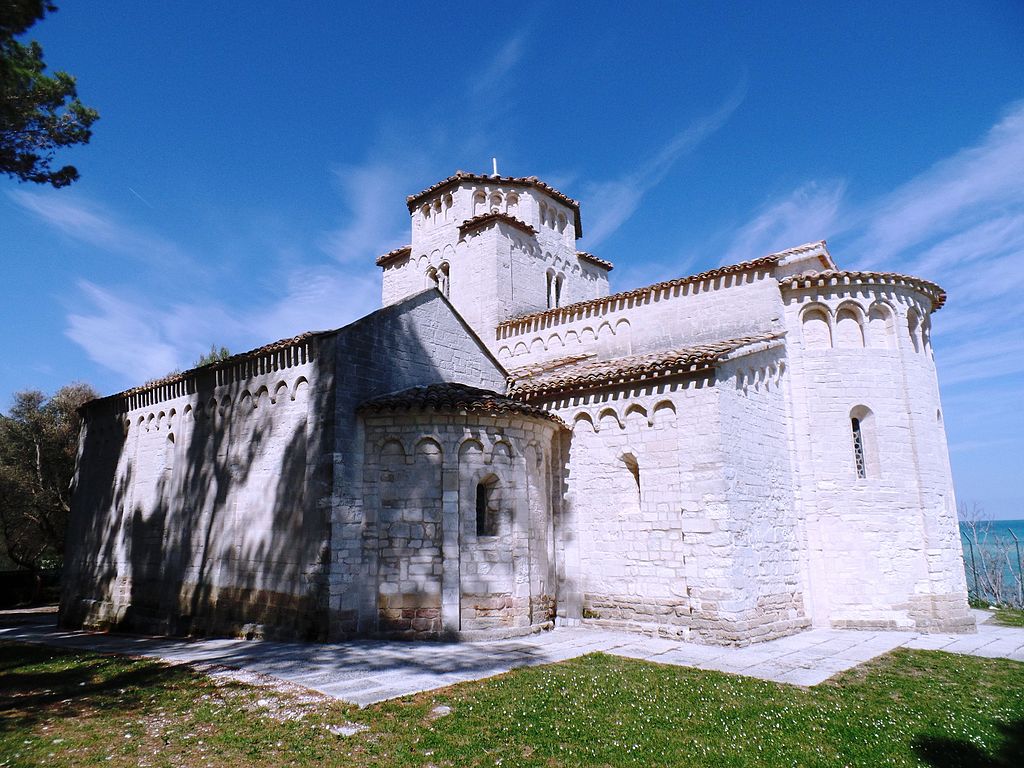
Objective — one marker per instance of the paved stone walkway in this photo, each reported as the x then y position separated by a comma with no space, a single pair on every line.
365,672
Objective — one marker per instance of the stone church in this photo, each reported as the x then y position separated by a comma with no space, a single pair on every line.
506,446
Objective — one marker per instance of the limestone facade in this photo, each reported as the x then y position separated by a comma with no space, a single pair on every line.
726,457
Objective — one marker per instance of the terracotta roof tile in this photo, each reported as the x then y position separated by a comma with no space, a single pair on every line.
595,260
835,277
478,222
455,397
395,255
522,181
588,375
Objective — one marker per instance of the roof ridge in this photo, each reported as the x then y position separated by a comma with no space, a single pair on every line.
483,218
655,364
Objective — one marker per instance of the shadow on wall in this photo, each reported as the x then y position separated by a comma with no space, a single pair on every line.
227,538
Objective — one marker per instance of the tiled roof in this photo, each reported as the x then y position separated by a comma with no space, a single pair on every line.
588,375
478,222
395,255
474,178
834,277
595,260
572,311
454,397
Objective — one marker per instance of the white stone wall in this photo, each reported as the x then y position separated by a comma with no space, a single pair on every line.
727,307
195,504
499,271
433,572
884,549
705,545
417,342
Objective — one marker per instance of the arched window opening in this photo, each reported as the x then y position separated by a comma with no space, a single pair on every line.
866,459
858,449
479,203
432,278
443,280
486,515
634,469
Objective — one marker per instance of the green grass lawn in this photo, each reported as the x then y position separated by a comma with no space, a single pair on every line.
1009,617
909,708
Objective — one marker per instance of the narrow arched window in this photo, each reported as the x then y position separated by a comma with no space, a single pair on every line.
559,279
443,278
550,290
486,520
634,469
858,449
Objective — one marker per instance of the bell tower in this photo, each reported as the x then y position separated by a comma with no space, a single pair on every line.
497,246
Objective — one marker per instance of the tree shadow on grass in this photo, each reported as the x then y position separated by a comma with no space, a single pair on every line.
29,695
941,752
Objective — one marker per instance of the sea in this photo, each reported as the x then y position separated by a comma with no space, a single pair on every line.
994,536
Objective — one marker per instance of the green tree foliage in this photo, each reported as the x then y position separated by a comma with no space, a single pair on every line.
38,445
38,113
215,355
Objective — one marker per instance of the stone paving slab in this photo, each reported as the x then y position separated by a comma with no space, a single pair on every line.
366,672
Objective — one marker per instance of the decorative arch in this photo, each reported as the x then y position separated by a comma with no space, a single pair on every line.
816,324
555,341
429,448
664,412
607,416
279,389
636,413
471,447
520,349
261,394
583,418
392,449
849,331
301,385
880,325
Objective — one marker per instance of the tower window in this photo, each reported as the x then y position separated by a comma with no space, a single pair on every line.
443,278
858,448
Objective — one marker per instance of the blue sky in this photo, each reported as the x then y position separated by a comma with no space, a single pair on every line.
251,161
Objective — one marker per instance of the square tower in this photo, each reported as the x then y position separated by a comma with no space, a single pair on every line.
497,247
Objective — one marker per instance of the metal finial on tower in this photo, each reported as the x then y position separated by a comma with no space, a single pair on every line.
494,164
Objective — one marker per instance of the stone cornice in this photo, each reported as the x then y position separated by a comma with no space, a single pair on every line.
839,279
520,181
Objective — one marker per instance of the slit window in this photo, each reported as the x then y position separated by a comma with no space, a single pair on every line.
858,449
484,518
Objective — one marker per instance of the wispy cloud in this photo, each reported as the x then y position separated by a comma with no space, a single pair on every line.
90,223
370,193
611,203
958,192
808,213
492,78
